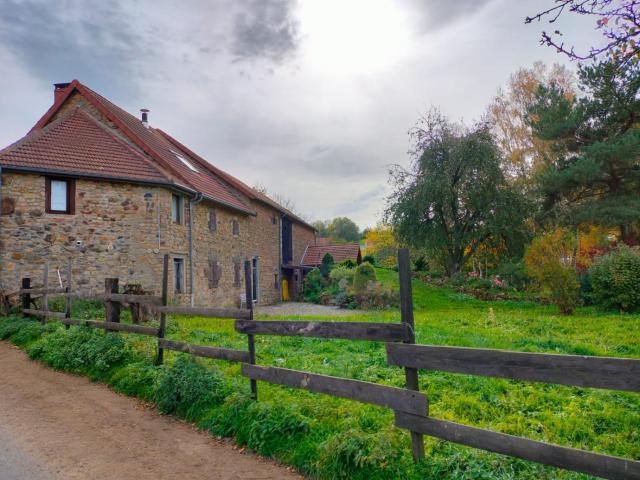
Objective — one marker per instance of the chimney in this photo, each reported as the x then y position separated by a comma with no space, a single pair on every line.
145,117
58,90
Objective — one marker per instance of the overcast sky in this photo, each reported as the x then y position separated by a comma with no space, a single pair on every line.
311,99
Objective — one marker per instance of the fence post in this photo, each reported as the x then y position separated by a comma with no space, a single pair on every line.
248,289
45,295
163,316
26,297
112,309
67,310
406,313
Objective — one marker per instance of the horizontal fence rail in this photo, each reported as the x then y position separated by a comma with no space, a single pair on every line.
574,370
40,290
386,332
206,312
43,313
203,351
399,399
564,457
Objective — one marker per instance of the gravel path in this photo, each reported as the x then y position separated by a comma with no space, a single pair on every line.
57,426
295,309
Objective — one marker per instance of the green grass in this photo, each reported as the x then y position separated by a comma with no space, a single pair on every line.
328,437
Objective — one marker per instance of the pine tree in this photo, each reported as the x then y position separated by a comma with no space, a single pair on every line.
593,173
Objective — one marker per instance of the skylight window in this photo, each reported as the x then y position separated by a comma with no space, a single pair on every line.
185,161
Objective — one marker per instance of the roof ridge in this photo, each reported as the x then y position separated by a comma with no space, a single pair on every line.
115,137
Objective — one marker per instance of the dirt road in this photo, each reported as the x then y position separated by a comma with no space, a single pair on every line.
57,426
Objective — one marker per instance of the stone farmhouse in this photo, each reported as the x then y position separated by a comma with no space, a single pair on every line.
98,186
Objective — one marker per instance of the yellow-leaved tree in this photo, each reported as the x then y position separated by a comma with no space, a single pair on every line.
380,242
549,260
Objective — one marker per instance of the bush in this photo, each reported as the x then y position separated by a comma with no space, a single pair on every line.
342,273
369,259
514,274
420,264
615,279
377,297
365,273
327,265
82,350
189,389
137,380
314,284
348,263
548,262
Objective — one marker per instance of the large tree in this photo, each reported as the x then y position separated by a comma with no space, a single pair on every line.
523,152
343,229
595,173
455,196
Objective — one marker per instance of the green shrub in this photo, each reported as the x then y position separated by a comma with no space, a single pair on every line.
354,454
342,272
30,332
615,279
420,264
365,273
230,419
348,263
137,380
275,427
327,265
189,389
10,326
314,284
548,262
369,259
377,297
514,274
82,350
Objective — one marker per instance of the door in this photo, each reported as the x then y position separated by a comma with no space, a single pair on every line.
287,241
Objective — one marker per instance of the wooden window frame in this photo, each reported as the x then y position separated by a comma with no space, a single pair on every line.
71,195
235,227
180,210
183,276
213,220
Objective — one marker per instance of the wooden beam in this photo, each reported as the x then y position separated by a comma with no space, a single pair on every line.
386,332
214,312
40,291
548,454
575,370
251,342
164,300
43,313
204,351
130,298
382,395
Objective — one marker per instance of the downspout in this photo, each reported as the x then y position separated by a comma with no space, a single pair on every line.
194,201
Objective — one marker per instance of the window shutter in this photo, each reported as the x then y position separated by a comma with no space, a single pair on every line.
213,220
237,279
214,272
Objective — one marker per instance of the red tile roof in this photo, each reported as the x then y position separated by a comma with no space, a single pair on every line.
77,143
106,153
340,252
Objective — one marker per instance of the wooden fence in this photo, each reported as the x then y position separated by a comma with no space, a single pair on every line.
410,406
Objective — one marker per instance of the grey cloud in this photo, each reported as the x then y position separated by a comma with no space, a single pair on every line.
265,29
433,15
375,195
91,43
340,161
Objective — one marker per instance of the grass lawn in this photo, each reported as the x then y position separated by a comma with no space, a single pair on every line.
592,419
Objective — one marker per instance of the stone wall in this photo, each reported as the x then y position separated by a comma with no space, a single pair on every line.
123,230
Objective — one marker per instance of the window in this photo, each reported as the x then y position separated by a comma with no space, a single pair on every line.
235,227
185,162
213,220
60,195
178,275
177,209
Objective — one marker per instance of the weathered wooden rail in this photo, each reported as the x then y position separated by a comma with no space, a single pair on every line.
410,406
